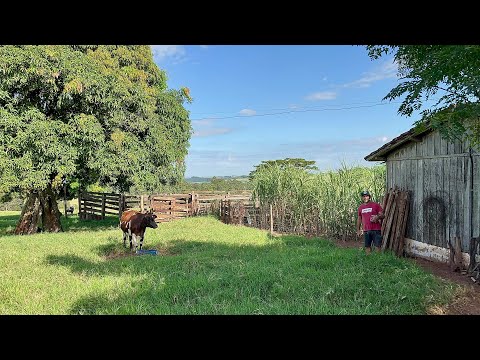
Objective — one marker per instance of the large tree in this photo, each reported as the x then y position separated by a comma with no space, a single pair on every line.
90,113
449,72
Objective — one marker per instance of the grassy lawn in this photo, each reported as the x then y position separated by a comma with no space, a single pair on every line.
203,267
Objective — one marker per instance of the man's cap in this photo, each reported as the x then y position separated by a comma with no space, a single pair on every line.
363,193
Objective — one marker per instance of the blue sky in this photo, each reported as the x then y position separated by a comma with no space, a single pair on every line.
268,102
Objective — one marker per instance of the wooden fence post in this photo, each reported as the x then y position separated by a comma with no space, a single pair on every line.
230,212
103,206
271,220
192,204
120,205
80,215
220,204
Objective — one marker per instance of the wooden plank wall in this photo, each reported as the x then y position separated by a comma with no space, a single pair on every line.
437,173
171,207
166,206
93,205
476,196
208,202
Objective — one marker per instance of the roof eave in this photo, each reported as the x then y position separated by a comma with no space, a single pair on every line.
381,153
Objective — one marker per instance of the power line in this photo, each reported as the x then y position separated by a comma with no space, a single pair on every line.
299,111
303,109
289,108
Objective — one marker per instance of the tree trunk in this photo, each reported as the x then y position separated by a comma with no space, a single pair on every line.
28,223
50,213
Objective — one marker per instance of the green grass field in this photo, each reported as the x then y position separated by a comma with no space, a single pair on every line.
203,267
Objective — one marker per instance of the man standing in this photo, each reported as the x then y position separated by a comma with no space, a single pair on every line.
369,215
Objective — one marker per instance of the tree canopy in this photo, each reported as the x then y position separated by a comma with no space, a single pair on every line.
96,113
91,114
451,71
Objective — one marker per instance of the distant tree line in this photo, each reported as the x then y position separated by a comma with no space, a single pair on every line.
218,184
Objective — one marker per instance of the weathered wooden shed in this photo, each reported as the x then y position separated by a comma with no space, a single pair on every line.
443,179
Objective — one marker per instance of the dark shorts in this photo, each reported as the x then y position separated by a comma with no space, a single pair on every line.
374,236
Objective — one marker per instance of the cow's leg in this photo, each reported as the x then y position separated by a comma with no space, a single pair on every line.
134,238
141,242
124,239
130,238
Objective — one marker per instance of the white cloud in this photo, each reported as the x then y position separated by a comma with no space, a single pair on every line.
211,131
387,70
206,127
161,52
247,112
204,46
323,95
215,163
203,122
328,155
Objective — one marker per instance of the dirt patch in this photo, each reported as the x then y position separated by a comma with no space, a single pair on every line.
349,244
465,302
117,254
467,299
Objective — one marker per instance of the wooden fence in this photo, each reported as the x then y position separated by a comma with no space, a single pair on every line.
93,205
231,208
209,202
245,212
167,207
172,206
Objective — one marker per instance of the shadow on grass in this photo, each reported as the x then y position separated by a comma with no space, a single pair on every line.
8,224
172,284
157,284
70,224
213,278
74,224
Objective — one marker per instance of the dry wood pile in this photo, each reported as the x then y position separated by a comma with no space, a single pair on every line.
395,207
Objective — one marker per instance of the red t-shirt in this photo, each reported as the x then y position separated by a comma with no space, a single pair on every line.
365,211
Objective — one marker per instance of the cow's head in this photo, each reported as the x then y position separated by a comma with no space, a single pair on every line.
150,221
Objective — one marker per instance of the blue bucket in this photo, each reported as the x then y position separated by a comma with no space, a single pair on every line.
146,252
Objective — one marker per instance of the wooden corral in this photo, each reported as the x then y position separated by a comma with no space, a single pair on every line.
94,205
166,206
208,202
238,211
443,181
171,207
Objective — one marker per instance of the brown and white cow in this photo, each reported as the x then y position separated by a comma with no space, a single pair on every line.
133,225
